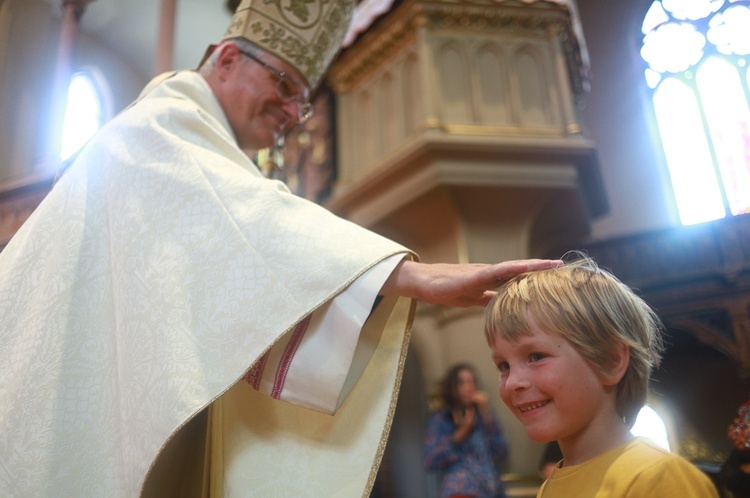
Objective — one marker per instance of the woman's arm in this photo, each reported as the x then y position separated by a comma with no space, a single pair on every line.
439,450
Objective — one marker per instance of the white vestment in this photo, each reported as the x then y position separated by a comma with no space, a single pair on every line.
156,273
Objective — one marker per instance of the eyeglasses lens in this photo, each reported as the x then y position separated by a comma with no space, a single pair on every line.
286,89
288,92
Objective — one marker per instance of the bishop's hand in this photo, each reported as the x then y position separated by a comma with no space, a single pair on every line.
460,285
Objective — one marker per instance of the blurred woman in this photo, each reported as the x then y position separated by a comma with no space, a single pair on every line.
464,440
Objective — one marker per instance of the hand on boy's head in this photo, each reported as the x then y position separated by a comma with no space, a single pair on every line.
460,285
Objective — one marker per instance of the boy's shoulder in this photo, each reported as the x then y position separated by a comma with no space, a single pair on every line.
636,468
631,458
642,455
645,453
651,467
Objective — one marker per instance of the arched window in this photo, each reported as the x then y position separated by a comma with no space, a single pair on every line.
650,425
84,113
698,66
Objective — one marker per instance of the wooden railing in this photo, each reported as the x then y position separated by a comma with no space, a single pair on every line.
18,199
697,278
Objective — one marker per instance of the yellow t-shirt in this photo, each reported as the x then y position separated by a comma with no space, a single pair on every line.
636,469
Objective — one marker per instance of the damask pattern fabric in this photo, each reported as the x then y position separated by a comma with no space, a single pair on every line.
144,287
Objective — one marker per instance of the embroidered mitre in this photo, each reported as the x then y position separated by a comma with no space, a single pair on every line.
304,33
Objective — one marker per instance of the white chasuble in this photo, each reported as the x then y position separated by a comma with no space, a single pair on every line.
160,283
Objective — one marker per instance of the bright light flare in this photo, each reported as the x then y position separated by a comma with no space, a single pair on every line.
687,152
728,117
83,115
673,47
649,425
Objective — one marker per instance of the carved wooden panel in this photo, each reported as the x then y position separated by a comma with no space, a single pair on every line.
698,278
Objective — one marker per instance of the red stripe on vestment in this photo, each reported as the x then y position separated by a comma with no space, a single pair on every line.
288,356
255,374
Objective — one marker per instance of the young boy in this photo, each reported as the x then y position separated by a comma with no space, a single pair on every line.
575,348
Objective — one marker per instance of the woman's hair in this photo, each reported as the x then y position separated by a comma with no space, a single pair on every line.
450,383
591,309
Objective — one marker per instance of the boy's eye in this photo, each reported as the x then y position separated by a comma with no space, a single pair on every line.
534,357
503,366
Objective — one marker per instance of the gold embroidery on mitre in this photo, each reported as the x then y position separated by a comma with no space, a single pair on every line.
304,33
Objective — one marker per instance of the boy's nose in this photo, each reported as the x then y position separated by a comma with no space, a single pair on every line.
516,380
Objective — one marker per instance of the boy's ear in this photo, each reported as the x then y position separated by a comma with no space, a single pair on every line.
619,365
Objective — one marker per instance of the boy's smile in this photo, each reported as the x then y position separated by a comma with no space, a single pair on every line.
528,407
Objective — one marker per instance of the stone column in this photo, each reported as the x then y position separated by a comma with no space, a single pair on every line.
458,137
165,46
5,19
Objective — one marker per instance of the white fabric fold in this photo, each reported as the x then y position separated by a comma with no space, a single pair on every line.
310,364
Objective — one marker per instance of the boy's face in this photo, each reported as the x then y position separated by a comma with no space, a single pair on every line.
551,388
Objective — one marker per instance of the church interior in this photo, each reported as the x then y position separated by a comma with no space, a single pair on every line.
469,131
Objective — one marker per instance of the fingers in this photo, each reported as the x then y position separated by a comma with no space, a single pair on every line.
474,283
488,295
503,272
459,285
480,398
524,265
543,264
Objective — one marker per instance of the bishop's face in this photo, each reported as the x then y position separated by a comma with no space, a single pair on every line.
252,101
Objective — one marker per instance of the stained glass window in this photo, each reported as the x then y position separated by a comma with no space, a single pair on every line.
697,54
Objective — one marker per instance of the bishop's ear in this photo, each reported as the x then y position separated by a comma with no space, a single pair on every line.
619,366
228,56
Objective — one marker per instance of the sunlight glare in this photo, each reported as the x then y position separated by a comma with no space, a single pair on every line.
728,30
692,9
728,117
652,78
649,425
687,153
654,17
673,47
83,115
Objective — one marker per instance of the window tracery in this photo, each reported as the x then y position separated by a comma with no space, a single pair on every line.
697,54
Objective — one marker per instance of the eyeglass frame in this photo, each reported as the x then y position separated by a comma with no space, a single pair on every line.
304,108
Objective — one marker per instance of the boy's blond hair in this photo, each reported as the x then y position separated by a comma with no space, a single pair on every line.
594,311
